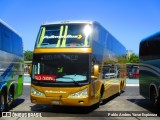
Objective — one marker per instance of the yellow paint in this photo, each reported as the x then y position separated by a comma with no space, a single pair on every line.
60,34
61,94
65,34
96,70
62,50
42,36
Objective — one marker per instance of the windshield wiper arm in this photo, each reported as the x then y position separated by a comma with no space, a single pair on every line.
75,82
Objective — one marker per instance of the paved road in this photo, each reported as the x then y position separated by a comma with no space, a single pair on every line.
126,104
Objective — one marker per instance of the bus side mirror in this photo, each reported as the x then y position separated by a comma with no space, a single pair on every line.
95,72
96,69
30,69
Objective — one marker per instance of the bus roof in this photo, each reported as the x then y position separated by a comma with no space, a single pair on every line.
70,22
151,36
6,25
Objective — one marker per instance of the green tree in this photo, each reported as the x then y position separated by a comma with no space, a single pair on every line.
28,55
133,58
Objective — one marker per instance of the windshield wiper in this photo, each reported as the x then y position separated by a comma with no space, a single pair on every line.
75,82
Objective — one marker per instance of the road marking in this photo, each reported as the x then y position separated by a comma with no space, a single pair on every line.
26,83
132,84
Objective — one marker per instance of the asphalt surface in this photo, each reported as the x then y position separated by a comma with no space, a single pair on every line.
130,105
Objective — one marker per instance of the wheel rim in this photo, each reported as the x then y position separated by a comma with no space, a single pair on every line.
10,98
155,97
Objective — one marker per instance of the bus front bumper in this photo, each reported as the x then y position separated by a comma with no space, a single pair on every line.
60,101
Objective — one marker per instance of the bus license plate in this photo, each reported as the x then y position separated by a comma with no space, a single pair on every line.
55,102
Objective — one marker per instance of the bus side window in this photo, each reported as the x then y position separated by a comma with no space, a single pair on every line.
144,51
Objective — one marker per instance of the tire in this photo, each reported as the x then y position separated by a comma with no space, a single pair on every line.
3,102
100,101
154,98
10,99
101,96
158,102
120,90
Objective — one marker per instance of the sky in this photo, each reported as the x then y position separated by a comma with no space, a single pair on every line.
129,21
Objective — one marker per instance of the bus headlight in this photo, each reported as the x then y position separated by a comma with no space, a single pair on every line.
80,94
36,92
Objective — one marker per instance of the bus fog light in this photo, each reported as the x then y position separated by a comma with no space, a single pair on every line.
81,102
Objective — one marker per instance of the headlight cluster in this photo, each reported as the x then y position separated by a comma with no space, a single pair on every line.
36,92
80,94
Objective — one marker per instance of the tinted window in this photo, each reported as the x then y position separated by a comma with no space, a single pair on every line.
6,44
61,67
72,35
150,49
10,41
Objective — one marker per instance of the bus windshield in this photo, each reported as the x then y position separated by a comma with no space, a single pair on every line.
61,67
63,35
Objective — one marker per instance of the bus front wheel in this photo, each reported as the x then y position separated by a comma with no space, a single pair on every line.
120,88
10,96
3,102
101,96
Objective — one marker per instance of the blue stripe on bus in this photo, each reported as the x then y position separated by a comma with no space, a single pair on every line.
7,73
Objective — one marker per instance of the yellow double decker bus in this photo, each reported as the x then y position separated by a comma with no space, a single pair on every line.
76,63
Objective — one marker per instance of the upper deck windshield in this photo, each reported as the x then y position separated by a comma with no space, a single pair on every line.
64,35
